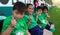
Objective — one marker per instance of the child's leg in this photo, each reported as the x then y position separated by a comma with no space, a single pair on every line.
46,32
36,31
50,27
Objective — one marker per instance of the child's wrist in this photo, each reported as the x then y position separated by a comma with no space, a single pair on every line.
11,26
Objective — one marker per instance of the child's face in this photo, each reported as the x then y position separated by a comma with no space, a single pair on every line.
45,10
39,11
30,9
17,15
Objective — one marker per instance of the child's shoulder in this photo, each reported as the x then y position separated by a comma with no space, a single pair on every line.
8,18
34,15
26,16
43,14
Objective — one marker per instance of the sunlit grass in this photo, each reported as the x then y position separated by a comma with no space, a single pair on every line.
54,12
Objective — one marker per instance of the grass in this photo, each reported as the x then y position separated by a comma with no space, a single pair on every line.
54,12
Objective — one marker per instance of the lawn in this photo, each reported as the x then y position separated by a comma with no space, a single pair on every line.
54,12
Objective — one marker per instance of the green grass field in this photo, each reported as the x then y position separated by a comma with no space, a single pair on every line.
54,12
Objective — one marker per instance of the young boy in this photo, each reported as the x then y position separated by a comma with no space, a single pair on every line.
50,25
15,24
45,10
34,29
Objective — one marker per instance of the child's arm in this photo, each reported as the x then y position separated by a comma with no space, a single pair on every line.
37,14
36,18
29,21
47,15
39,26
9,29
28,33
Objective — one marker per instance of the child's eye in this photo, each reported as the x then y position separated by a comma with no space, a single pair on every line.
29,8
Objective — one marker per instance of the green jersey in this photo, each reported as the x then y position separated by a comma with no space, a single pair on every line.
41,21
33,23
20,27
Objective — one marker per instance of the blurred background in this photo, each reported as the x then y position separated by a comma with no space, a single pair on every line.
53,5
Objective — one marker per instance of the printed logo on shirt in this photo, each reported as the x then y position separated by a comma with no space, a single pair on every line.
19,33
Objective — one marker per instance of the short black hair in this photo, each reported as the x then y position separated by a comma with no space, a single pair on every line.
39,7
19,6
45,7
27,5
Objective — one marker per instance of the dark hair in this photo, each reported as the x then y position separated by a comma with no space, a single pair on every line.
39,7
28,5
19,6
45,7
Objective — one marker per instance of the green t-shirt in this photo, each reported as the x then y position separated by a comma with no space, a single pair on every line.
41,21
33,23
20,27
44,16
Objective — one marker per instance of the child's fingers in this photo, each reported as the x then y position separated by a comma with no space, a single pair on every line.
13,20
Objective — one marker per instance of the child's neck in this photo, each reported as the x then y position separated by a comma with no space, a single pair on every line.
29,14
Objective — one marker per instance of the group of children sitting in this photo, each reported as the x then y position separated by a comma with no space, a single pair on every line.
24,22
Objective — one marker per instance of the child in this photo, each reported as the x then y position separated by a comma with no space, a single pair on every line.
46,11
35,2
15,24
50,25
34,29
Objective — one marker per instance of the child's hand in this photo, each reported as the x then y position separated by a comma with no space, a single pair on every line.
37,13
52,26
30,18
48,16
13,22
36,18
27,32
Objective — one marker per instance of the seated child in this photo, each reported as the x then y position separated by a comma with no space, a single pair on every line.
39,18
34,29
50,25
16,24
46,11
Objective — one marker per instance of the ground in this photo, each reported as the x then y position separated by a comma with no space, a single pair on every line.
54,12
